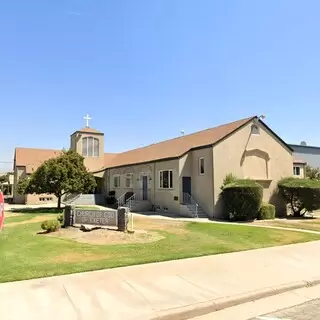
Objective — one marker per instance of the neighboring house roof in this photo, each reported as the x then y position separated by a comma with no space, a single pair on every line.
299,161
299,146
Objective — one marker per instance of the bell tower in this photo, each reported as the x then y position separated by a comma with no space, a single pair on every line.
89,143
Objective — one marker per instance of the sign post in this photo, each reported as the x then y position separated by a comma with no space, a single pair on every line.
1,210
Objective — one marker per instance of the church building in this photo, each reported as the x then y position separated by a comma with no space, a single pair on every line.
178,176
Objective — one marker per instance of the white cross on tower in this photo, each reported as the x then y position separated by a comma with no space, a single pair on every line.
87,118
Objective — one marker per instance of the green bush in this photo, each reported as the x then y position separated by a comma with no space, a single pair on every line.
301,195
60,218
267,211
51,225
242,199
229,178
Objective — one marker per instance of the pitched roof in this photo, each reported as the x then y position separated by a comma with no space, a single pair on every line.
176,147
108,157
32,158
89,130
169,149
299,161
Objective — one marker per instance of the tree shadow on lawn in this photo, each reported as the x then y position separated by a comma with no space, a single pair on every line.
45,210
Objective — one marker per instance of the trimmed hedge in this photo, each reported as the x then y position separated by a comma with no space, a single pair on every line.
267,211
302,195
51,225
242,199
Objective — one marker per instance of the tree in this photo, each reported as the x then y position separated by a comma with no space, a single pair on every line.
64,174
312,173
301,195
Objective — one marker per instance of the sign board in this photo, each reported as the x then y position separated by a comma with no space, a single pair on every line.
96,217
1,209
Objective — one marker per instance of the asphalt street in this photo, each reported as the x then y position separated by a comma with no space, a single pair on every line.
306,311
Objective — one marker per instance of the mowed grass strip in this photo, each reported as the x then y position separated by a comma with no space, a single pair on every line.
25,255
303,224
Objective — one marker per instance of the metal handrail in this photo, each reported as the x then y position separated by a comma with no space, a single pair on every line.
69,197
121,200
191,203
131,200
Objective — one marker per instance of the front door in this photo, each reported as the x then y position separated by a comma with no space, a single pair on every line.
186,188
144,187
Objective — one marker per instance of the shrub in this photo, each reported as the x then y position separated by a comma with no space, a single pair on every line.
302,195
267,211
60,218
312,173
242,199
51,225
229,178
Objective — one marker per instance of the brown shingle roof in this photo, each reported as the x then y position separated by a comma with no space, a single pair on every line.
89,130
176,147
108,157
173,148
299,161
32,158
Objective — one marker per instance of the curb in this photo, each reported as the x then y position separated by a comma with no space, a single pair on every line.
203,308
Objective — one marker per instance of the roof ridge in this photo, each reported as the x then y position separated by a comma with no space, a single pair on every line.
191,134
41,149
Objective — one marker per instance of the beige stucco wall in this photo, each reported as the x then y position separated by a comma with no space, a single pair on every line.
92,163
162,197
261,157
201,185
40,199
166,197
19,172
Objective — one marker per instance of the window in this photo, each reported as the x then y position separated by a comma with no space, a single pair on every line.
166,179
128,180
201,166
90,147
116,181
296,171
255,129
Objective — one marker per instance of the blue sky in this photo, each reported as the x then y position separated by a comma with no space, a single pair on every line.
145,69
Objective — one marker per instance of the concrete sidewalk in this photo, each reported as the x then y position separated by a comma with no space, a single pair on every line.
159,289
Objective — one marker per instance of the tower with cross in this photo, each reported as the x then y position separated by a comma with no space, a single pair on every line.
87,118
89,142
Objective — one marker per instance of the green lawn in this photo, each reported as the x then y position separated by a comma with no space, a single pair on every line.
304,224
24,254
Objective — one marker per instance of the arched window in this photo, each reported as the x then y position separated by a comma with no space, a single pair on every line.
90,147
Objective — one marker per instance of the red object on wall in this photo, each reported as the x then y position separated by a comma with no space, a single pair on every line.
1,210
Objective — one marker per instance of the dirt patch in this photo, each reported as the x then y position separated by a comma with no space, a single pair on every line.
171,226
33,220
12,214
304,224
77,257
106,236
